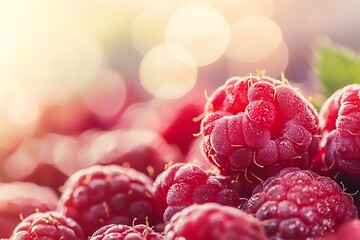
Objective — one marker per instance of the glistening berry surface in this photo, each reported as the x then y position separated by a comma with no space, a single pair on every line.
340,116
255,126
348,231
102,195
212,221
299,204
184,184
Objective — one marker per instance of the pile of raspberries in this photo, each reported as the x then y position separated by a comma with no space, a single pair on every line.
271,167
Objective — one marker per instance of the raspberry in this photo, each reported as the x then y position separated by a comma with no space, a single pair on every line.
348,231
212,221
48,225
297,204
21,199
102,195
255,126
184,184
341,130
39,168
124,232
181,128
148,154
144,158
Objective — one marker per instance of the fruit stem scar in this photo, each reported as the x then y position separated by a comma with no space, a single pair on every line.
250,82
258,178
150,170
146,223
197,134
257,164
211,106
343,186
133,222
87,179
236,145
284,79
354,134
106,208
167,165
352,194
198,118
246,177
260,73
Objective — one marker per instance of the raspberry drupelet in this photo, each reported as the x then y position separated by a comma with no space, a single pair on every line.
340,116
300,204
184,184
102,195
347,231
47,225
255,126
124,232
22,199
212,221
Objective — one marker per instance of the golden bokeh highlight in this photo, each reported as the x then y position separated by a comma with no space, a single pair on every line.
233,9
273,64
23,108
168,71
253,37
201,29
149,26
47,58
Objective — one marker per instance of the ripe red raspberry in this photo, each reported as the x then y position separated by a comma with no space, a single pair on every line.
212,221
181,126
341,130
184,184
48,225
348,231
19,200
255,126
299,204
124,232
102,195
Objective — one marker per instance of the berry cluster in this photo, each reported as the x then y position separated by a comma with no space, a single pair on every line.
265,165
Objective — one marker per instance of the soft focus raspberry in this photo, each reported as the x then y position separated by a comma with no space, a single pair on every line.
255,126
212,221
348,231
49,225
181,128
40,167
341,130
148,154
124,232
182,185
21,199
297,204
102,195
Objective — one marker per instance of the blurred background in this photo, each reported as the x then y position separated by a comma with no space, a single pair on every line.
71,71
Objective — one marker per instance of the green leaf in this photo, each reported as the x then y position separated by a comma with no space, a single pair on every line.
336,68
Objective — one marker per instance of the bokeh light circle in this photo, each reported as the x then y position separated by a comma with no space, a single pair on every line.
201,29
273,64
168,71
253,37
23,108
233,9
149,26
